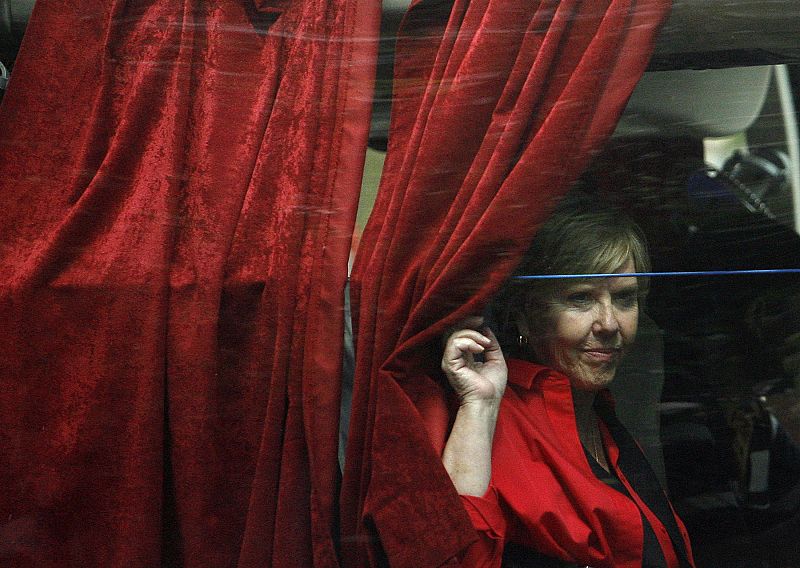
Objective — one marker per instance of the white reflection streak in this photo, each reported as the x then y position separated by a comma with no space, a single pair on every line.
792,142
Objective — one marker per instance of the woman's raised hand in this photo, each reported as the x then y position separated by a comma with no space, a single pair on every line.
474,380
479,384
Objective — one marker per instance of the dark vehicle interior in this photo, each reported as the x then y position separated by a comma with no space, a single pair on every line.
706,158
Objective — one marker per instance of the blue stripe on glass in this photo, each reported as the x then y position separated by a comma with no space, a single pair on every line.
661,274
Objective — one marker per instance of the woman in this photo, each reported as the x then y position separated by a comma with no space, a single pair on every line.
546,472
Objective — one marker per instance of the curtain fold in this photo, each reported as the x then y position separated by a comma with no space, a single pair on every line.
179,186
498,106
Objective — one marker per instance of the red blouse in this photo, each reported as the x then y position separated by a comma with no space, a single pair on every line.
544,495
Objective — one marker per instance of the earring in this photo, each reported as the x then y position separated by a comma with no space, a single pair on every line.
522,340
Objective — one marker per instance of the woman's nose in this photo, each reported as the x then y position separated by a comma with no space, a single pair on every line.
605,319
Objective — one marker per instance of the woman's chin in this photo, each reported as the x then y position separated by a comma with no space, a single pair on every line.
593,378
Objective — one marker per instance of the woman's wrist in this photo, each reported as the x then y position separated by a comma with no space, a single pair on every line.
479,406
480,411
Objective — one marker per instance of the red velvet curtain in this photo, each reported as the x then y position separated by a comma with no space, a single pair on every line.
498,106
179,185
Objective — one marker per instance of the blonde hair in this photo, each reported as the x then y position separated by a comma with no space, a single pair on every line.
585,241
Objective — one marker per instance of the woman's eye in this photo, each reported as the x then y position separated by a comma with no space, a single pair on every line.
627,300
579,298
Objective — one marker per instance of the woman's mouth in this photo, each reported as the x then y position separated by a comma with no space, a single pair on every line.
602,354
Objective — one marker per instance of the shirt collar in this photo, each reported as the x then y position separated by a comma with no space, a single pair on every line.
524,373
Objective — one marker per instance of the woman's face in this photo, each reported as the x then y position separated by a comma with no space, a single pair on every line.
587,326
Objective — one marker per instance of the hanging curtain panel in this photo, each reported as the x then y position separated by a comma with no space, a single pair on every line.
179,186
498,106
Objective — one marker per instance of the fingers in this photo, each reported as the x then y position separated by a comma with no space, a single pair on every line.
473,363
472,322
493,351
462,344
465,341
469,338
472,335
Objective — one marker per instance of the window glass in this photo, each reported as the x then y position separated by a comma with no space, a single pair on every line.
706,159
